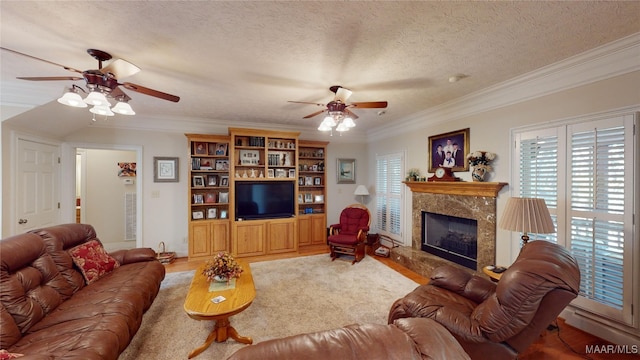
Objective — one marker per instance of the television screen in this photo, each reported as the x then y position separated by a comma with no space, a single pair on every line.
264,200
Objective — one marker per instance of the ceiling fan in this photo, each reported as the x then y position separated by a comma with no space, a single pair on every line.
103,79
339,104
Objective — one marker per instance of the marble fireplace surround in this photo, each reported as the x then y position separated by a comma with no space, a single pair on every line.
471,200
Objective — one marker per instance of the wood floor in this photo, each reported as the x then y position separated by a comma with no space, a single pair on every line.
563,343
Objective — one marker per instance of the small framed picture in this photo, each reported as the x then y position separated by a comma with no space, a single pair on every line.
270,173
212,180
308,198
317,181
346,173
281,173
318,199
222,164
198,181
220,149
209,198
292,173
198,199
197,215
212,213
200,148
300,199
224,180
301,181
223,214
223,197
308,181
165,169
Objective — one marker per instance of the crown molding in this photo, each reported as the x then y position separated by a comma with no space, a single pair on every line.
616,58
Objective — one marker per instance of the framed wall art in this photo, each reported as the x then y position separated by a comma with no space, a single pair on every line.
165,169
346,171
449,150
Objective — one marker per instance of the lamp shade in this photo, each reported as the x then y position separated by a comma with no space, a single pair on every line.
527,215
361,190
97,99
72,99
123,108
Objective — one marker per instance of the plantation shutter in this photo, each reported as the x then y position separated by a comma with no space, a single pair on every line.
597,207
389,195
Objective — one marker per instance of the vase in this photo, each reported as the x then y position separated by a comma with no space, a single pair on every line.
219,278
478,174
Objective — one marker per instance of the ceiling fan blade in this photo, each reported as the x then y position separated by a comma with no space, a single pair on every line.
47,61
150,92
120,69
343,94
49,78
351,113
305,102
314,114
370,104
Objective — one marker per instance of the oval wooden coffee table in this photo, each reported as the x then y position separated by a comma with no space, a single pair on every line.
198,306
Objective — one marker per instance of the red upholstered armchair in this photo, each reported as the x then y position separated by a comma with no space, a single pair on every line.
349,236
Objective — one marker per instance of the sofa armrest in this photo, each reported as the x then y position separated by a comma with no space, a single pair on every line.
134,255
433,340
470,286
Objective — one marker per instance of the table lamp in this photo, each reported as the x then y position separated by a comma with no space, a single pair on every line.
362,191
527,215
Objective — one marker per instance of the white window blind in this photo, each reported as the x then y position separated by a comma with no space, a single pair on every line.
584,172
389,195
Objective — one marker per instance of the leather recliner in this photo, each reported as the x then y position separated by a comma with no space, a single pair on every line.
500,319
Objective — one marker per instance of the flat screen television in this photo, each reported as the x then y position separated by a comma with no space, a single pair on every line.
264,200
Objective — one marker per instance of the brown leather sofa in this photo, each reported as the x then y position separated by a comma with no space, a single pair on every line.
48,312
406,339
497,321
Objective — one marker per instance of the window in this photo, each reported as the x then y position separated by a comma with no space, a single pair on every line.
584,171
389,195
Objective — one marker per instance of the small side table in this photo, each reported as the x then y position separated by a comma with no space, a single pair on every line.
495,277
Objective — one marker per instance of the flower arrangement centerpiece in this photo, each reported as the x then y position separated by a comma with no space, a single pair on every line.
413,174
223,267
480,161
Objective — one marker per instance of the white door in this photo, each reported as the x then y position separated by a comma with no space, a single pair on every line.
37,194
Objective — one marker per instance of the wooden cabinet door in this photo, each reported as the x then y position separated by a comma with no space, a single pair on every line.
200,239
281,236
318,229
249,239
304,230
219,237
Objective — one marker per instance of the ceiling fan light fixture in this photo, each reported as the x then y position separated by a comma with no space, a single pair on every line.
342,127
348,122
329,121
97,99
324,127
123,108
101,110
71,98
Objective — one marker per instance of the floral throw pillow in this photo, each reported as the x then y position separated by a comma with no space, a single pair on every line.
93,260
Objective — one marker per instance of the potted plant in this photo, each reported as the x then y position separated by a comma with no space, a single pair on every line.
222,268
480,161
413,174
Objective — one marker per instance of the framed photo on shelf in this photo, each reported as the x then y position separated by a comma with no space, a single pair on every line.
308,181
249,157
317,181
308,198
198,181
346,173
220,149
197,215
281,173
449,150
210,198
300,199
223,214
212,213
223,197
318,199
270,174
200,148
212,180
292,173
224,180
222,164
198,199
165,169
301,181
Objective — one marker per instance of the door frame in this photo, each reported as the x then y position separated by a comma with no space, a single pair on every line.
68,189
15,137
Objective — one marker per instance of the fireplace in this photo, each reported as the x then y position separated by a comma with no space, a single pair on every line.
450,237
466,200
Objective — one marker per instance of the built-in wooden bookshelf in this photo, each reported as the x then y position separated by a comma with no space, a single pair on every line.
312,194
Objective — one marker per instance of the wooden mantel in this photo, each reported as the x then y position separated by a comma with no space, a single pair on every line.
465,188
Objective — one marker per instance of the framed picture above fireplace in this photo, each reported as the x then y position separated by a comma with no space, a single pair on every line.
449,150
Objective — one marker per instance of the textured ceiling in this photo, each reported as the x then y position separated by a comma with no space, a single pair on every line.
239,62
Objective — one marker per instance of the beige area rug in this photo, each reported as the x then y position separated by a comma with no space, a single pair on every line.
293,296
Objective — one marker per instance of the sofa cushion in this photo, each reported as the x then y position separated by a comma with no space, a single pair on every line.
92,260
